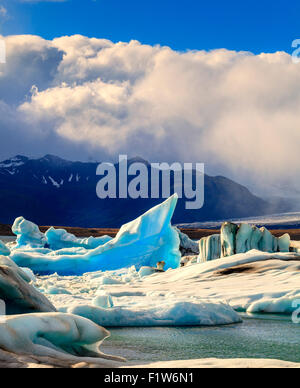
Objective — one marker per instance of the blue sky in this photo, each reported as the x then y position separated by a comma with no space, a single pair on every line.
257,26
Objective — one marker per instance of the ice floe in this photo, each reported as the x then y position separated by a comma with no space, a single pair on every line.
167,313
57,335
249,282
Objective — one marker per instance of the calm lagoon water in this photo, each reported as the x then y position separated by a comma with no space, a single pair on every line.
274,337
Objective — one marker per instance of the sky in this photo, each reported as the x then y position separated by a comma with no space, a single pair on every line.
188,81
256,26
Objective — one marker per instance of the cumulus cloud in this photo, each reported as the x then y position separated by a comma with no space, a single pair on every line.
236,111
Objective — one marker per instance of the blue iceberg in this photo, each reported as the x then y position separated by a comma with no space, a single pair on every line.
28,233
60,239
142,242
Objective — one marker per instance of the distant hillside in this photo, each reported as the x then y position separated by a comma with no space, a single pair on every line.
54,191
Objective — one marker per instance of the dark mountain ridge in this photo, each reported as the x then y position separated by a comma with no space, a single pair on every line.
54,191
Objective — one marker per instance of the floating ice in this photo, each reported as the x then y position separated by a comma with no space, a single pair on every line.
187,246
60,238
284,243
4,250
168,313
228,239
22,272
210,248
235,239
240,280
28,234
62,336
142,242
19,296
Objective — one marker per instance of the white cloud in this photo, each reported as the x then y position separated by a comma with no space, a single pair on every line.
236,111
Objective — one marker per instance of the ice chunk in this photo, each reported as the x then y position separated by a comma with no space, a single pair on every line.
4,250
267,242
110,280
53,290
284,243
213,247
19,296
210,248
243,238
169,313
60,239
142,242
22,272
228,239
28,234
29,274
187,246
272,305
147,271
236,239
103,300
256,238
58,335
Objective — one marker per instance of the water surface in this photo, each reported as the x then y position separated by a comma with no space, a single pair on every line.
275,338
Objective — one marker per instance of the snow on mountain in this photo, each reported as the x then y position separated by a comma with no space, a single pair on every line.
51,190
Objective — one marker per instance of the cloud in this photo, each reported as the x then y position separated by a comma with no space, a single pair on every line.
236,111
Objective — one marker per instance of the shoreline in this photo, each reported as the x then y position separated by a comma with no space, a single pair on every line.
194,234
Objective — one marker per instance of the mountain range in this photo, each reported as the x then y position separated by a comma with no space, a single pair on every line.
54,191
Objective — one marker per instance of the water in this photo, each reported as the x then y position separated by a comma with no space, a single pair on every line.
7,239
274,338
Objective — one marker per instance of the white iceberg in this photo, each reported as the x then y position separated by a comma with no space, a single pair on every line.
57,335
142,242
167,313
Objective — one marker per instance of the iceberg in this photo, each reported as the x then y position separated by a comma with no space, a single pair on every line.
28,233
142,242
57,335
168,313
19,296
187,246
210,248
60,239
235,239
228,239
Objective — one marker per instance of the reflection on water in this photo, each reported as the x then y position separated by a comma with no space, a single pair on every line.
255,338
